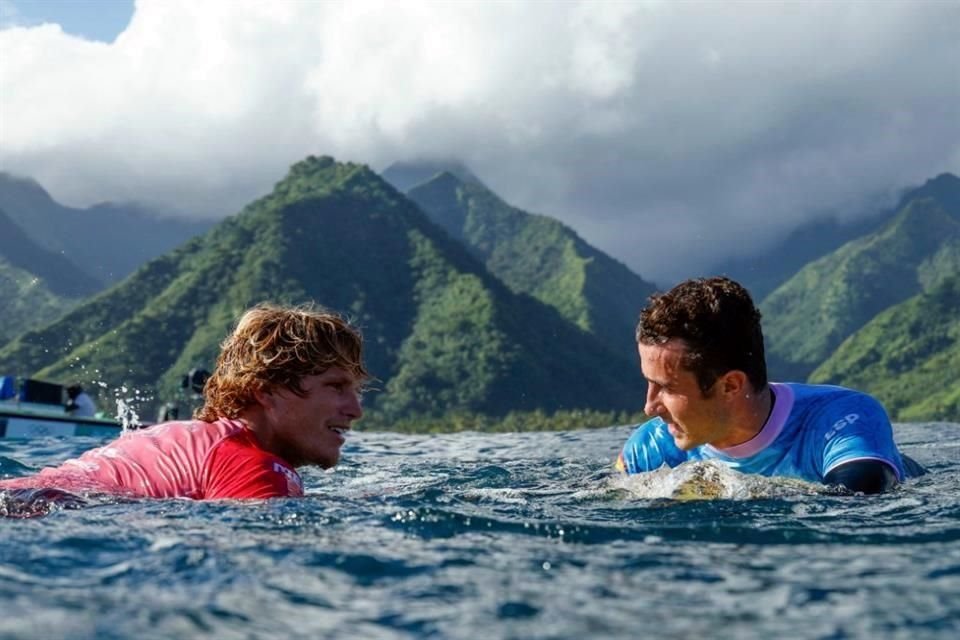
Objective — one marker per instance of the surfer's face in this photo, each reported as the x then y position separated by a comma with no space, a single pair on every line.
311,429
693,417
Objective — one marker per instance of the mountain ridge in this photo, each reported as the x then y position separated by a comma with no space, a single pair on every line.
908,356
441,332
539,256
107,240
822,235
61,275
829,299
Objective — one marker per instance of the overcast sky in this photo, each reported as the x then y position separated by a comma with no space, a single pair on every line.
668,134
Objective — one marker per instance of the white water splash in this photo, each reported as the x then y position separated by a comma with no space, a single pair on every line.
126,402
125,399
709,480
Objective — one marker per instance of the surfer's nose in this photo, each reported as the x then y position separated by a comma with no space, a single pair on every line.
653,405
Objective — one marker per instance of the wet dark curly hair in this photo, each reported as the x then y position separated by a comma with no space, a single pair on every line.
717,321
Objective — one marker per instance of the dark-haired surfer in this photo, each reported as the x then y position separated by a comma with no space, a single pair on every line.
701,351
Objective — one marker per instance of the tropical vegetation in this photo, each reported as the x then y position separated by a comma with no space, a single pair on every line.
808,317
476,315
539,256
443,335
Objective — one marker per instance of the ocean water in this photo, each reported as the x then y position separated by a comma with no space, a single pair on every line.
526,535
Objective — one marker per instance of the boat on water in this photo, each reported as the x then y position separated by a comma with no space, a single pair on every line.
37,410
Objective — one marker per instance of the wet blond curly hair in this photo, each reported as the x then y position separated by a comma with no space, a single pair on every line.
275,346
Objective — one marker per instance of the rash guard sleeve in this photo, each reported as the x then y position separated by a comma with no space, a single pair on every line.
648,448
859,429
237,468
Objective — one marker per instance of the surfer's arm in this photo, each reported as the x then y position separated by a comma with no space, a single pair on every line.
649,447
859,452
863,476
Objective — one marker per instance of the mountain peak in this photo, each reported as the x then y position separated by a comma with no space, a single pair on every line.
946,179
313,163
320,175
23,190
447,178
406,174
944,189
321,170
945,186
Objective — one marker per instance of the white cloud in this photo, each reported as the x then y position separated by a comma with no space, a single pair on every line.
661,131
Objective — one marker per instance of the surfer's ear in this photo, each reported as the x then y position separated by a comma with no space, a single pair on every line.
733,383
264,397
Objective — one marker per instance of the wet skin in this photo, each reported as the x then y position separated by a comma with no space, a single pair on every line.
310,429
720,417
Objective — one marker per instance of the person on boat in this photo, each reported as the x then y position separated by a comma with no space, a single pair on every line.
701,352
81,405
284,393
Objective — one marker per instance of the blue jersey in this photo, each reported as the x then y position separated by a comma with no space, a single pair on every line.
811,430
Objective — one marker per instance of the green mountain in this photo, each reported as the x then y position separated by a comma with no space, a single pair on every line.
441,333
808,317
822,235
107,241
763,273
908,356
541,257
57,272
36,285
28,301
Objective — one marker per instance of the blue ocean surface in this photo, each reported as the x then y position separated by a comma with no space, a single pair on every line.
522,535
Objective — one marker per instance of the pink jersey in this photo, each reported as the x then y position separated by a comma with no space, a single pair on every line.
199,460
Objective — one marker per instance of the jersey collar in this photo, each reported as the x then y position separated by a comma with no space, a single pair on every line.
771,428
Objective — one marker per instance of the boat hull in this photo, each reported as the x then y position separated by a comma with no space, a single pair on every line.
20,424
